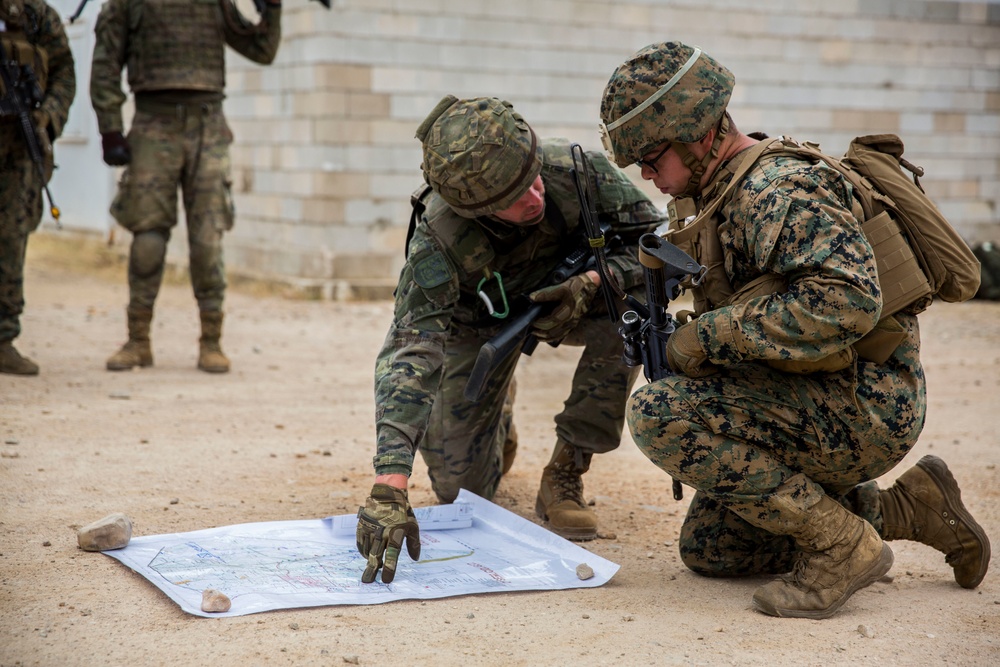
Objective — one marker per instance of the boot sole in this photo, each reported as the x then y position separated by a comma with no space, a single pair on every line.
939,472
580,535
127,367
881,565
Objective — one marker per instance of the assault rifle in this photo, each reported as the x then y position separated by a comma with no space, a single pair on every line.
518,330
22,95
646,329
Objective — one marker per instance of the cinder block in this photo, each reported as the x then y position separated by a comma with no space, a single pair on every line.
341,131
367,105
949,122
342,185
337,76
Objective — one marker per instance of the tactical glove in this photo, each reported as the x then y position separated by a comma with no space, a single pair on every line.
116,150
685,354
572,299
383,523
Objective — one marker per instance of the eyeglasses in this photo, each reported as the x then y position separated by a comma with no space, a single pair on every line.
652,163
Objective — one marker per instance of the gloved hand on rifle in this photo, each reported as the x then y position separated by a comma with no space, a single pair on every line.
685,354
383,523
572,298
45,135
116,150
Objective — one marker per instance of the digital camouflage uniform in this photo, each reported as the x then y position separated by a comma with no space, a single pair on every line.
20,181
440,324
781,414
175,54
742,434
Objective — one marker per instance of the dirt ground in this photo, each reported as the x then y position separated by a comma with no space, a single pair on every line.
288,434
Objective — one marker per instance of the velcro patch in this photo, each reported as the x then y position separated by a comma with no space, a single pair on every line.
432,271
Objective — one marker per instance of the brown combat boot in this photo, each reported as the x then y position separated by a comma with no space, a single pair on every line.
12,363
840,554
210,356
560,497
135,352
925,505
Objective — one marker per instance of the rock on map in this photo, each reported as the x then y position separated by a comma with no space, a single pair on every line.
470,546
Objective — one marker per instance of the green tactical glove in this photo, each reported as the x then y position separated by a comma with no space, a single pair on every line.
572,299
685,355
383,523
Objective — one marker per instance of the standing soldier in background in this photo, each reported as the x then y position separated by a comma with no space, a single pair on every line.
175,54
37,59
500,213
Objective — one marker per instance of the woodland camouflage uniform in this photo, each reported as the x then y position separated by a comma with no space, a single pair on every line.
174,51
440,323
20,181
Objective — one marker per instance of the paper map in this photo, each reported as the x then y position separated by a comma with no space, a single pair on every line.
309,563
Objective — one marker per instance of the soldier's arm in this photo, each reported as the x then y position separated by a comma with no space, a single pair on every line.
110,52
259,46
800,227
409,367
61,86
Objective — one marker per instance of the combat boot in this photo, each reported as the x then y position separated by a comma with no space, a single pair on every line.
210,356
560,497
925,505
13,363
840,553
136,351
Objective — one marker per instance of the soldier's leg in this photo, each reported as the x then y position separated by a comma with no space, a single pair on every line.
209,208
715,542
20,213
755,441
463,446
146,205
591,422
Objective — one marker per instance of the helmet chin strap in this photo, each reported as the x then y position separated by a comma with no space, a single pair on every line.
696,166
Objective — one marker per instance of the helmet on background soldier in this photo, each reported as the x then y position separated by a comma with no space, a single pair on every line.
664,92
479,154
11,11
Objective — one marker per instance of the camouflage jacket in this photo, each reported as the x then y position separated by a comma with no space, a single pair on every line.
44,28
449,256
119,24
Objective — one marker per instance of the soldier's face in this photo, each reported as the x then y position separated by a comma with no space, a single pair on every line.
529,209
668,173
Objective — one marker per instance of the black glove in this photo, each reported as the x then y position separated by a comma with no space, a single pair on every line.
383,523
116,150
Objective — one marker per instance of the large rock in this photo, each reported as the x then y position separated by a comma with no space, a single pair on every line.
112,532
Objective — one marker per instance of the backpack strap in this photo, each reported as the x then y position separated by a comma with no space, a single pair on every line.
419,205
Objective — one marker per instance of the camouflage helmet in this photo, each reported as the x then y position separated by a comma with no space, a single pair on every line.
664,92
479,154
12,11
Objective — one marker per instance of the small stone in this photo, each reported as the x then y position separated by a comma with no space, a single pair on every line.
607,536
352,660
214,602
174,501
112,532
120,395
293,626
46,543
10,455
586,616
865,631
10,442
470,615
584,572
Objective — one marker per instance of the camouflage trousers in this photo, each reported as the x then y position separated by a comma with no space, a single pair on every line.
20,214
761,447
464,442
185,146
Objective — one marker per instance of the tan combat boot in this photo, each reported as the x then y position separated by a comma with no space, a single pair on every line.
13,363
560,497
210,356
840,554
135,352
925,504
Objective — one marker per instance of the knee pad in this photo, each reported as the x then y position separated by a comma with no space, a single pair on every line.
148,252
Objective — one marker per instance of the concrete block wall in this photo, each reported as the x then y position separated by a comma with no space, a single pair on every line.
325,159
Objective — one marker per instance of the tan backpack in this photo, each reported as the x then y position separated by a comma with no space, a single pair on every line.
918,252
